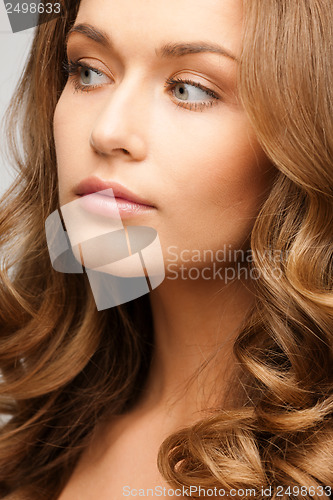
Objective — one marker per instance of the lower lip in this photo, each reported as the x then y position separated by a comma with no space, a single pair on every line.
113,207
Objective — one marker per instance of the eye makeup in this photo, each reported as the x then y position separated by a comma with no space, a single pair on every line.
78,70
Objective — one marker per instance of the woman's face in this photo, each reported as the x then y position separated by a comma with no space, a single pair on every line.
187,148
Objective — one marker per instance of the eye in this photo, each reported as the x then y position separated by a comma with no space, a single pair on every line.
187,90
189,94
90,76
85,77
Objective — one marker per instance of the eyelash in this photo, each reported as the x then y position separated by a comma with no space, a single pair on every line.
72,69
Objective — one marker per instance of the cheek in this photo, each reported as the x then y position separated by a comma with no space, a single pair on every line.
224,166
225,177
241,176
69,138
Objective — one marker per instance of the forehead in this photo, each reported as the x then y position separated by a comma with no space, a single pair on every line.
149,23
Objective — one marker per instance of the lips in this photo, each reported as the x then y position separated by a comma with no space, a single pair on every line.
92,185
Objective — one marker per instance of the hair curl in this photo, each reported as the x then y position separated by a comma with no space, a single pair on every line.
65,366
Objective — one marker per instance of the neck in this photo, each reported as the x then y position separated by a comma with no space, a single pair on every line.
194,322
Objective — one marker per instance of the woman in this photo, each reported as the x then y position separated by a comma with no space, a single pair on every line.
217,114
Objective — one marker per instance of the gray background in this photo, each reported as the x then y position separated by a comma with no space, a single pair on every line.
14,50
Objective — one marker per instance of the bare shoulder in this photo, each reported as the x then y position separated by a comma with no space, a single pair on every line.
121,459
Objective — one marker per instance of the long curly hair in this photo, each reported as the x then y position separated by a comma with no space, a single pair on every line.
64,365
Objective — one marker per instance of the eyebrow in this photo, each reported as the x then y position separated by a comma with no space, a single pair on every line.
168,50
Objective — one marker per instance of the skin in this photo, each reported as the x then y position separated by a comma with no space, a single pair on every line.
205,173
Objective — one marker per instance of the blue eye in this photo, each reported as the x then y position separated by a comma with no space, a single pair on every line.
181,89
189,94
185,92
85,77
91,76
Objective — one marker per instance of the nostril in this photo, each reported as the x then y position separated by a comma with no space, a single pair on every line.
125,151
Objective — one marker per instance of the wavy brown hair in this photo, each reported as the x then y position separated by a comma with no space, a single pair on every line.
65,365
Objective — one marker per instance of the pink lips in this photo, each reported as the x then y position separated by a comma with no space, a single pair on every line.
111,199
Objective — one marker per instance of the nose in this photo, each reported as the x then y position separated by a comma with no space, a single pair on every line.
119,127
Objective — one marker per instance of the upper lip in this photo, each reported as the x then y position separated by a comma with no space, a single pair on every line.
95,184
